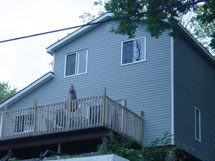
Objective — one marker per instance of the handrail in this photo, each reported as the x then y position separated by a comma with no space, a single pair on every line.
125,108
83,113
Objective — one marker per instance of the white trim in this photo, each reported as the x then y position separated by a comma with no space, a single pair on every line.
28,89
172,91
144,51
200,128
53,47
76,63
53,62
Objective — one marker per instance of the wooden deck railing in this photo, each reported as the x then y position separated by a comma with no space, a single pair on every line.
71,115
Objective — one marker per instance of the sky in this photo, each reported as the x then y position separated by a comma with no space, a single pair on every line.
24,61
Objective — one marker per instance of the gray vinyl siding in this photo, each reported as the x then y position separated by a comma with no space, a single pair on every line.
194,78
146,85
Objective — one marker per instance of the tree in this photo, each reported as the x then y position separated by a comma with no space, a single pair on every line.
87,17
6,91
159,16
201,31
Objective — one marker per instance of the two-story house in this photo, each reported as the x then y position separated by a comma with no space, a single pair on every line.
170,79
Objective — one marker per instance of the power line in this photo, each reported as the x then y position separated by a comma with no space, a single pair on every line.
104,21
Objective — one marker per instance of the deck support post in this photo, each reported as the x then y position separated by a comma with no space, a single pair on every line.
104,142
59,147
3,121
69,110
104,106
35,117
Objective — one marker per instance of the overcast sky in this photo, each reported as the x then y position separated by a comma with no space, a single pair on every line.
23,61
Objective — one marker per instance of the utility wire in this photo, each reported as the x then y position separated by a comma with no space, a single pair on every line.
104,21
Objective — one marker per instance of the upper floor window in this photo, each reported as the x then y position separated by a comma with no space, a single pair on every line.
133,51
197,124
76,63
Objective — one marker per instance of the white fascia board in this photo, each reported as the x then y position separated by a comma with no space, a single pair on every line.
28,89
76,33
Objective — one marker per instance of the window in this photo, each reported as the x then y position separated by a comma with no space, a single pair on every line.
197,124
24,123
76,63
133,51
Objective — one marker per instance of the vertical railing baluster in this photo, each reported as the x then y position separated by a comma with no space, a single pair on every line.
104,106
100,112
141,127
69,110
35,118
4,121
124,104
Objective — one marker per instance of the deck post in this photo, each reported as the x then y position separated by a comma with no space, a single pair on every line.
141,127
59,147
69,110
104,106
3,121
35,117
124,104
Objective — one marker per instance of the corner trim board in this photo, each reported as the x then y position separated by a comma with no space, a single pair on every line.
172,90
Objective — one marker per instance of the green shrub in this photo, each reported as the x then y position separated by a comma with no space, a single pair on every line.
159,150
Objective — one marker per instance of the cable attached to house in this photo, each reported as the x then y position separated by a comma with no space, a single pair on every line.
104,21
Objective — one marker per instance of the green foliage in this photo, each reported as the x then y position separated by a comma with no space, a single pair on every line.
157,22
125,147
87,17
77,155
14,159
202,31
6,91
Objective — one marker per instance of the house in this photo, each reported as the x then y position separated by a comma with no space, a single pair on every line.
170,79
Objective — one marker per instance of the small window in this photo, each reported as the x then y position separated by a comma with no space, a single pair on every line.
133,51
197,124
24,123
76,63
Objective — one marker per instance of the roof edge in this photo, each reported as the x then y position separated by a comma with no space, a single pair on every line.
200,46
28,89
80,31
76,33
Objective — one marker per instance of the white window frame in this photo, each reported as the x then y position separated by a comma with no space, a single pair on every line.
198,139
134,61
76,63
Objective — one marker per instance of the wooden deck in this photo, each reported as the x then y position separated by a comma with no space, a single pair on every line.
70,116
